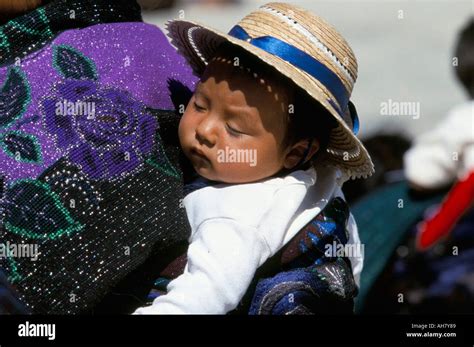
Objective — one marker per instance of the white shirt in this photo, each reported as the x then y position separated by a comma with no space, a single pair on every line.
444,154
235,229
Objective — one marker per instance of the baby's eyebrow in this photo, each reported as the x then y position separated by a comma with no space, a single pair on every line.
248,118
198,90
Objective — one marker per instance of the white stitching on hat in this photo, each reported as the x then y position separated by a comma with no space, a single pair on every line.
312,38
193,45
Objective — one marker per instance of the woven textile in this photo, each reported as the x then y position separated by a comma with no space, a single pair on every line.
85,175
315,277
29,33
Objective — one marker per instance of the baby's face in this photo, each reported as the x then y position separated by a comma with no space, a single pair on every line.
234,126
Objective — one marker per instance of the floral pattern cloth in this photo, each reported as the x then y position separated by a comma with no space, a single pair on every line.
84,173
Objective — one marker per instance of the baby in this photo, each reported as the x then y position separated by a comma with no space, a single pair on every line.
270,132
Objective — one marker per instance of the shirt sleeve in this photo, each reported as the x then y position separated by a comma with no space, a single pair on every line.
224,254
275,221
222,259
444,154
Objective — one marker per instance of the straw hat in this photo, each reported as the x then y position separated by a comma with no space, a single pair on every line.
304,48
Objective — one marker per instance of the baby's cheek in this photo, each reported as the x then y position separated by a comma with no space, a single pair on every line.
185,129
248,166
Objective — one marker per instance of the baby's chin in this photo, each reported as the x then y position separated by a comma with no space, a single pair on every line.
228,175
204,168
206,172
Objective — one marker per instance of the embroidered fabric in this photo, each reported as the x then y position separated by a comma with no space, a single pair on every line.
86,178
29,33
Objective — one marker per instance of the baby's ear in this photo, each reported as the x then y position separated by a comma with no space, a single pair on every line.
300,152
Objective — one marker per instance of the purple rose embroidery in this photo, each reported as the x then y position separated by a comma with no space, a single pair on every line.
104,130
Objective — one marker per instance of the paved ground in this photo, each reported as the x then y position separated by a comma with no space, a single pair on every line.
403,60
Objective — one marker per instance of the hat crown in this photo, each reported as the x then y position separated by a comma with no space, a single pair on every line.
303,48
307,32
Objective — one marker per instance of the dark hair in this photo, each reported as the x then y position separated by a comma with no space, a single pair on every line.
465,53
309,120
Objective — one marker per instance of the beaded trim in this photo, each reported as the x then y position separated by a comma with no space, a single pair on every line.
193,44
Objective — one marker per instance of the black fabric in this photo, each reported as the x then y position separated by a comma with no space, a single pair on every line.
131,228
88,270
32,31
132,291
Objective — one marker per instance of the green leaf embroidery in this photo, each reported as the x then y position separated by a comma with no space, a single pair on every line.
14,275
34,211
21,146
71,63
161,161
31,29
15,97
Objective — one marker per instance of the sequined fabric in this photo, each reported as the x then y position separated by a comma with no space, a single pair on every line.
29,33
97,190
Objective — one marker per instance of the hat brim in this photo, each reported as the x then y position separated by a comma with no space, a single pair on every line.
198,44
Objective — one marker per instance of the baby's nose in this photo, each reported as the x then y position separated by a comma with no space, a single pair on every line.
205,132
